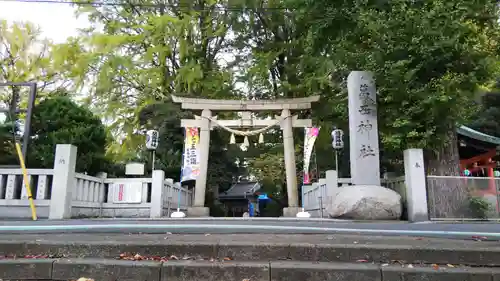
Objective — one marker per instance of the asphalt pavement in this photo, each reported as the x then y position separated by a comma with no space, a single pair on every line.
256,226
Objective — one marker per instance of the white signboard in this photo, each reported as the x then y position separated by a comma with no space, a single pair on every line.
130,192
136,169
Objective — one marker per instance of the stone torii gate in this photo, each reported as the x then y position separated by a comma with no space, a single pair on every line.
207,122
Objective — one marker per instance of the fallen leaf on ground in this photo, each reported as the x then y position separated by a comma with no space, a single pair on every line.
361,261
227,259
450,265
479,238
138,257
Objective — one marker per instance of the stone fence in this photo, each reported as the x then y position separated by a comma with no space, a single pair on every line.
61,193
411,187
318,195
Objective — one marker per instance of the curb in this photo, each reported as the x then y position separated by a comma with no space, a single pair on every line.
107,270
262,251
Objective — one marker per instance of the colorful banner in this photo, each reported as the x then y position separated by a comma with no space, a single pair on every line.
311,134
191,157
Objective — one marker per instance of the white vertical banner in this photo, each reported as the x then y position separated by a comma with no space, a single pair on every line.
311,134
191,156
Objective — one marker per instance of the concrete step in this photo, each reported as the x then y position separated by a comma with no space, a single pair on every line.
124,270
256,248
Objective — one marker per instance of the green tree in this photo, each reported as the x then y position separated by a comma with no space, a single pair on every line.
274,41
61,121
487,119
144,54
27,57
147,52
429,58
7,149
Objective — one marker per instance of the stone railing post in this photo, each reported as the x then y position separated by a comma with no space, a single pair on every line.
63,182
322,195
169,195
415,181
332,185
157,193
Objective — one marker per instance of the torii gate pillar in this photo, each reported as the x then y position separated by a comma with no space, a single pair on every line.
198,209
290,167
286,121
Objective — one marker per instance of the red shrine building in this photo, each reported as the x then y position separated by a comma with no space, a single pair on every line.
479,159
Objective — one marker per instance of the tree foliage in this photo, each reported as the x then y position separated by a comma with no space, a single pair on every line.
429,59
61,121
7,142
27,57
487,119
147,52
144,54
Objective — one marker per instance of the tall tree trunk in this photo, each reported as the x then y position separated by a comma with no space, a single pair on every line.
448,196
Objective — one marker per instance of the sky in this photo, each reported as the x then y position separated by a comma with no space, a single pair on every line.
56,20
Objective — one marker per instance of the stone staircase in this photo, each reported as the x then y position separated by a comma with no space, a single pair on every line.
241,257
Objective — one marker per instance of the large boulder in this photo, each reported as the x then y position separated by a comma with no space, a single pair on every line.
365,202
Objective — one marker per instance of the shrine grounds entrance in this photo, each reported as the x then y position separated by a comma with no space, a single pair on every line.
207,122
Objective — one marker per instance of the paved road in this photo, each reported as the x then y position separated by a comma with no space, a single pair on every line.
255,225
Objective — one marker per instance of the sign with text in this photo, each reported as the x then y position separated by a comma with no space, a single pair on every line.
191,157
363,129
311,134
130,192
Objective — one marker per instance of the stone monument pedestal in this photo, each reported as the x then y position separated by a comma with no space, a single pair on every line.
291,212
197,212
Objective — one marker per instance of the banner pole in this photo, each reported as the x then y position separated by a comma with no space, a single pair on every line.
337,161
302,197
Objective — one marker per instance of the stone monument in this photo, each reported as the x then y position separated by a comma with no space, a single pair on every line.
363,129
366,198
207,122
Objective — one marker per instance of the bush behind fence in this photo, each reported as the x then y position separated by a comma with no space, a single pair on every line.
482,200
